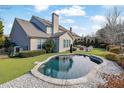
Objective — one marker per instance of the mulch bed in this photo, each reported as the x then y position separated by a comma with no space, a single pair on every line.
113,81
3,56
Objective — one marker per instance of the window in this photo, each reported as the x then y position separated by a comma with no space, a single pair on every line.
40,43
66,43
69,43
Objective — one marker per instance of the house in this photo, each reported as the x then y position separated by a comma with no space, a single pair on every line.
31,35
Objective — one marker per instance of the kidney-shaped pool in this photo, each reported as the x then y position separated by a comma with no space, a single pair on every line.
69,66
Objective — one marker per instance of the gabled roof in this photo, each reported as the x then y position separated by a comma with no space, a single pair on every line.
45,22
33,31
30,29
58,34
48,23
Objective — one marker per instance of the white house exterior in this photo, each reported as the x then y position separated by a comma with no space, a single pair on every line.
31,35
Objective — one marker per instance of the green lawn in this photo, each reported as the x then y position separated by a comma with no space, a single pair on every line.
12,68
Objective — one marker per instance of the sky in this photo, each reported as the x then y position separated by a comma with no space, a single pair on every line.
84,20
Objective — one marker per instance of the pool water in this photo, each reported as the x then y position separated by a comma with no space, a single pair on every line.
68,66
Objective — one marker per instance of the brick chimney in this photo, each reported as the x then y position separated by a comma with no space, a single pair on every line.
55,23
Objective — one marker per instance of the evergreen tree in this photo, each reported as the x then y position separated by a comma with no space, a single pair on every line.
81,42
92,43
71,48
96,44
88,43
75,42
7,43
85,41
49,45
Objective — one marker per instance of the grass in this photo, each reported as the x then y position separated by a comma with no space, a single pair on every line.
12,68
95,51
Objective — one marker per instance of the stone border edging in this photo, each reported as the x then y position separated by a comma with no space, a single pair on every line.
63,82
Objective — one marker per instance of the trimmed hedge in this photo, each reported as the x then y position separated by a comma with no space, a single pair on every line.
110,46
103,45
74,48
119,59
33,53
112,56
115,50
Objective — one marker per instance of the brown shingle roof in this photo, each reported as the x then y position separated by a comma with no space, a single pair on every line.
58,34
48,23
45,22
31,30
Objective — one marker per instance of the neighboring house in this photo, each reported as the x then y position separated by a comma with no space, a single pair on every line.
31,35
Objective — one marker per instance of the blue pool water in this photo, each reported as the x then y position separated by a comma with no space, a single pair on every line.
69,66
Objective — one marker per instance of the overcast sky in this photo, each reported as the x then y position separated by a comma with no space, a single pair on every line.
83,19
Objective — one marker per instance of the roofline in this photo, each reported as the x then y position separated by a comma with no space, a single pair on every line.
64,29
68,34
21,26
16,21
37,37
38,20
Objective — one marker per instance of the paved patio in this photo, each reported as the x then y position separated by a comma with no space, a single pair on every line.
29,81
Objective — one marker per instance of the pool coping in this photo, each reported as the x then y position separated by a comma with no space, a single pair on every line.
80,80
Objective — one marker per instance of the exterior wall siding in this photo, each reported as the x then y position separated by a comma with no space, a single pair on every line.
49,30
19,37
34,43
61,42
56,40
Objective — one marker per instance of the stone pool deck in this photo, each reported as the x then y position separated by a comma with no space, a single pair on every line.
29,81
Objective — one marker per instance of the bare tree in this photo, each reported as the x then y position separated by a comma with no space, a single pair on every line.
120,34
111,24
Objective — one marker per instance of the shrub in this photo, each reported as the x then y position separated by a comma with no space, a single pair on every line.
115,50
74,49
108,47
112,56
103,45
7,44
33,53
121,60
49,45
121,57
